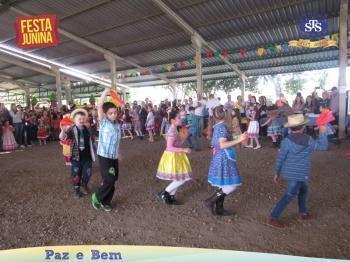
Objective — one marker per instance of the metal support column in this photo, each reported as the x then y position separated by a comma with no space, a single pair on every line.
199,76
343,62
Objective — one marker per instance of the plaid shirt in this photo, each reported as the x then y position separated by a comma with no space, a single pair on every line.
109,139
72,136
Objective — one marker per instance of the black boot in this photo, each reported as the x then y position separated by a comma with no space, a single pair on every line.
174,201
164,197
210,202
220,206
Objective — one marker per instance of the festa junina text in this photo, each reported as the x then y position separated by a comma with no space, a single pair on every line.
36,31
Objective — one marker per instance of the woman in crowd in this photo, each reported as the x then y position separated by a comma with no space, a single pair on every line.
262,113
298,104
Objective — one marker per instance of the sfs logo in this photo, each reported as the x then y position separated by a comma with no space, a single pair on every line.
313,25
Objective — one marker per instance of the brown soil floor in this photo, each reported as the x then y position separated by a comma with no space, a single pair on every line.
37,206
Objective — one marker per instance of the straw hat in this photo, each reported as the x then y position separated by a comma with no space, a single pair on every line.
79,110
296,120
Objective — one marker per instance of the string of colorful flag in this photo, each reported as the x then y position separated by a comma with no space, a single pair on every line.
326,42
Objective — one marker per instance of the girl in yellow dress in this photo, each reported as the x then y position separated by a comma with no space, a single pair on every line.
174,164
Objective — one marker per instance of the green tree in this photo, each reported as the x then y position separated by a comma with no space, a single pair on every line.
275,80
227,85
323,80
295,84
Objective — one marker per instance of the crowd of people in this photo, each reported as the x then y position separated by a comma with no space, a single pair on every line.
89,131
22,127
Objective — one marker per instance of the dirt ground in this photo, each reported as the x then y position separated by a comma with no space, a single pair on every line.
37,206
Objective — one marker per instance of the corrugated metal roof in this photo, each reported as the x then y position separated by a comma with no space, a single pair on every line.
141,32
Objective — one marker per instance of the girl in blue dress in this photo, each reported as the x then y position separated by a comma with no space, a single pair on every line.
223,171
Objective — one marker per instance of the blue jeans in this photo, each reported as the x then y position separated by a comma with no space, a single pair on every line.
294,188
19,132
81,173
193,141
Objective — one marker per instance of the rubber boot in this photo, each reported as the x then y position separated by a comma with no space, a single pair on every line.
220,206
164,197
210,202
174,201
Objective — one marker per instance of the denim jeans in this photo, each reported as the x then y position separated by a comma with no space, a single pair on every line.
81,173
19,133
294,188
193,141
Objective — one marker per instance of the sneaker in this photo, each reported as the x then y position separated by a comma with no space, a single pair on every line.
304,216
257,147
248,146
22,146
106,208
95,202
275,223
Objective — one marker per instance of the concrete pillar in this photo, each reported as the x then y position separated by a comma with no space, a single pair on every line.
173,88
343,62
197,44
58,87
242,79
67,89
113,69
27,96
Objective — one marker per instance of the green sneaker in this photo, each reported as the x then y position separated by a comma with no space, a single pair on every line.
95,202
106,208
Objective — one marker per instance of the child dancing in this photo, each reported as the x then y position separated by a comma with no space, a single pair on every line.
42,134
223,170
253,128
81,151
8,139
294,164
174,164
107,151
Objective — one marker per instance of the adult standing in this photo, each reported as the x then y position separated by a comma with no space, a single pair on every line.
229,105
17,120
262,113
316,101
240,105
298,104
143,117
4,115
326,99
334,104
210,105
199,111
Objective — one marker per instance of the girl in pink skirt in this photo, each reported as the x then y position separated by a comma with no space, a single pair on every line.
8,139
253,129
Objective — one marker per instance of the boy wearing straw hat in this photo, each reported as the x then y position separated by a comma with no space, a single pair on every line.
81,151
294,164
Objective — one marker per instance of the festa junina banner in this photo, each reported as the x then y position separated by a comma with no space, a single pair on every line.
37,31
143,253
